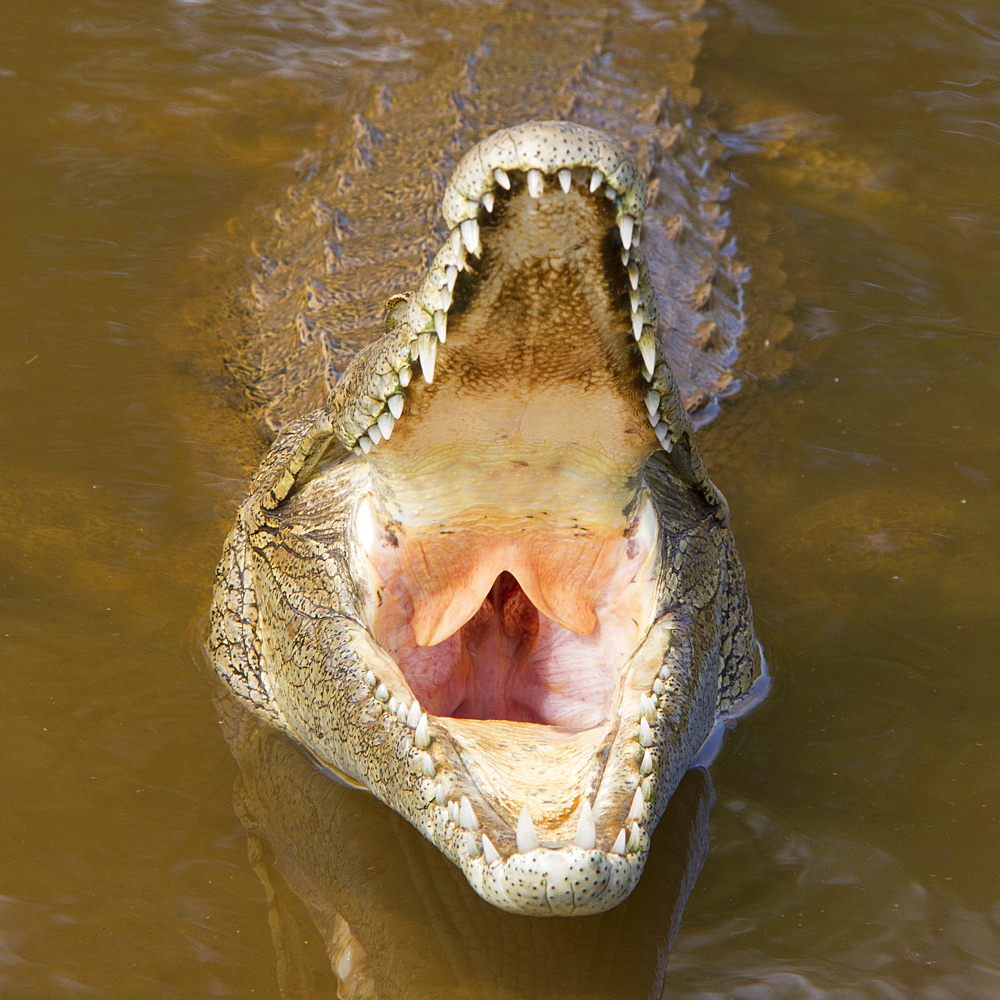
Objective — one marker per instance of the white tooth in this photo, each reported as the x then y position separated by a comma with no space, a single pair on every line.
648,350
401,711
455,241
453,810
647,707
535,183
501,178
633,274
386,422
586,831
427,347
646,738
618,847
369,678
472,846
596,180
357,451
365,443
441,325
395,404
427,765
633,299
439,795
405,375
637,323
646,531
451,276
610,193
413,716
634,838
382,693
470,235
393,704
445,300
648,787
626,224
488,201
646,764
466,816
625,256
651,398
421,735
489,851
375,434
565,179
635,810
527,835
665,672
663,433
659,687
364,523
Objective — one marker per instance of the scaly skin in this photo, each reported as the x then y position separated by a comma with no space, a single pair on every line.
304,622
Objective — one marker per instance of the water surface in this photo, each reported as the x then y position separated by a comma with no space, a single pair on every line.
854,841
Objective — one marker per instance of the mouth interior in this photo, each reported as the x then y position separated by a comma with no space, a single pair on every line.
512,551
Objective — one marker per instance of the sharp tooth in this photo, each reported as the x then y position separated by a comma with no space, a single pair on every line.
441,324
647,707
619,845
635,810
455,240
663,433
470,235
382,693
375,434
393,705
646,530
405,375
466,816
634,838
439,795
427,346
651,398
453,811
586,831
646,764
633,299
365,443
565,179
637,323
369,678
648,350
596,180
610,193
472,845
395,404
624,252
413,716
527,835
445,299
489,851
659,687
488,201
626,224
427,766
648,787
633,274
386,422
357,451
501,178
401,709
535,183
451,276
421,735
646,738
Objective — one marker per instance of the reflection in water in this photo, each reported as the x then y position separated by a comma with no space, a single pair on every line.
360,902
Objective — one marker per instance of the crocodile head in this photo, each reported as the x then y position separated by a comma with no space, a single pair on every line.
493,582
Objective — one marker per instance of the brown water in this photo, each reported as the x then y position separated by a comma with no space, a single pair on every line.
854,844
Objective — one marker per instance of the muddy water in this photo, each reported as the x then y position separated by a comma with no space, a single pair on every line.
854,842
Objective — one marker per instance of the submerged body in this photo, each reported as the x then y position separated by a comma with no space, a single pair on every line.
490,579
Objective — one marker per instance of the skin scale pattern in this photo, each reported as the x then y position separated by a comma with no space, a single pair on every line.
288,632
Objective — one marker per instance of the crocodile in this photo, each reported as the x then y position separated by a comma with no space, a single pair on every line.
482,571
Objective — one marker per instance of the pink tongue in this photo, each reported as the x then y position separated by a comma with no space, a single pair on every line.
449,576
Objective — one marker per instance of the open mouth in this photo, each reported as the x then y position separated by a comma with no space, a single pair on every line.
510,544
